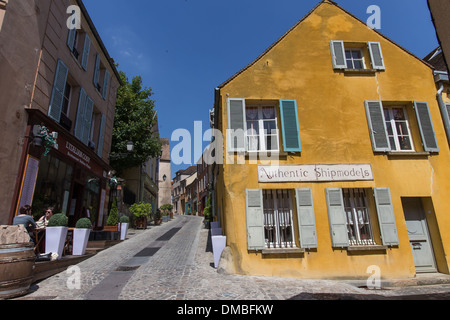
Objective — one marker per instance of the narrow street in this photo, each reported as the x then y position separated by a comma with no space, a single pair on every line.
174,262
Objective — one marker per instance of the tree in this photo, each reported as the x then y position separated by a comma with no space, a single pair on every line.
134,121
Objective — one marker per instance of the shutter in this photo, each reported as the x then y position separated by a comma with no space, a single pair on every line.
86,49
306,219
377,126
101,136
59,86
97,70
79,125
338,54
88,120
445,110
426,127
376,55
255,219
236,125
338,220
290,126
105,85
386,217
71,38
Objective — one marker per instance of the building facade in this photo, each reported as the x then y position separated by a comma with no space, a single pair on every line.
335,156
165,182
60,85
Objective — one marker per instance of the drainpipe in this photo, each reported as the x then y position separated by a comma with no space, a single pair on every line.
442,106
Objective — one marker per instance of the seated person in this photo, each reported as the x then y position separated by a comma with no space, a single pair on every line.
25,218
43,221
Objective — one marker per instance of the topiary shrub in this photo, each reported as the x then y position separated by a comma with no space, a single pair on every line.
124,219
58,220
84,223
113,218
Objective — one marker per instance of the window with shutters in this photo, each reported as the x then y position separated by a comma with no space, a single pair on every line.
79,44
262,128
101,77
278,219
398,129
66,99
350,56
358,217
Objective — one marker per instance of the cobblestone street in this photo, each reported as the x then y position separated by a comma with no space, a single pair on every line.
175,262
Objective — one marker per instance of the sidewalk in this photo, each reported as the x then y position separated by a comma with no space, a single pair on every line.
175,262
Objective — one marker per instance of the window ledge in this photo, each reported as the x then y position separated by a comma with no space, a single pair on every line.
361,71
367,248
408,154
283,251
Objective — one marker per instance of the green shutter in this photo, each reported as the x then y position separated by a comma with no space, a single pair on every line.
337,218
97,70
79,124
101,136
426,127
86,50
306,218
105,85
377,126
71,38
255,219
338,54
290,126
59,86
376,55
236,125
386,216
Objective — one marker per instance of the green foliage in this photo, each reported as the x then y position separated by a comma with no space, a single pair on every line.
58,220
124,219
141,210
207,212
113,218
83,223
134,121
166,208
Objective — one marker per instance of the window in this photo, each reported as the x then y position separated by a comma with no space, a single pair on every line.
398,130
66,99
358,218
355,59
79,44
278,222
262,129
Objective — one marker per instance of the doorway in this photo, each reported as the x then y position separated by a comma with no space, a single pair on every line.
419,235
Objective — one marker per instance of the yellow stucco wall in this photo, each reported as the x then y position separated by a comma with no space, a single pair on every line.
334,130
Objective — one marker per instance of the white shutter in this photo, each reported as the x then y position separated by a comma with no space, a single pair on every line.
255,219
306,219
376,55
386,216
338,54
337,218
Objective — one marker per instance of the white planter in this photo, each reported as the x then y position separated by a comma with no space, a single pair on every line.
55,237
219,243
123,230
80,240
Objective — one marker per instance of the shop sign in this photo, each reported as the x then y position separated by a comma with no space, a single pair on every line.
315,173
77,155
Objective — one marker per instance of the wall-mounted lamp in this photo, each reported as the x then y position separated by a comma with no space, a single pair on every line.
130,146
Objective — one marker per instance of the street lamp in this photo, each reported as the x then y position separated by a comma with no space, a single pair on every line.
130,146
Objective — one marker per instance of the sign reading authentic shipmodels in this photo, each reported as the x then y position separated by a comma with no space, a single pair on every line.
315,173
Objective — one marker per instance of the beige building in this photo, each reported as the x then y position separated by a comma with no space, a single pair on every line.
57,84
164,183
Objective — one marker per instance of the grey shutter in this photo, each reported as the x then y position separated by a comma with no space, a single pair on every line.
338,54
306,218
88,120
236,125
386,216
445,110
290,126
105,85
71,38
377,126
376,55
426,127
59,86
79,124
255,219
338,220
101,137
86,50
97,70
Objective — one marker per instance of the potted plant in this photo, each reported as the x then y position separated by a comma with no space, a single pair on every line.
158,218
167,209
124,223
141,212
113,218
81,236
207,212
56,233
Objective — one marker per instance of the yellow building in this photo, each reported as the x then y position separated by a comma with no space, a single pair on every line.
352,169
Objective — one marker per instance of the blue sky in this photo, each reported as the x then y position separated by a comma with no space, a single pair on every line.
184,49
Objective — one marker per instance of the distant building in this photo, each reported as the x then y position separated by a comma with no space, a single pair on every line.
62,83
179,189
